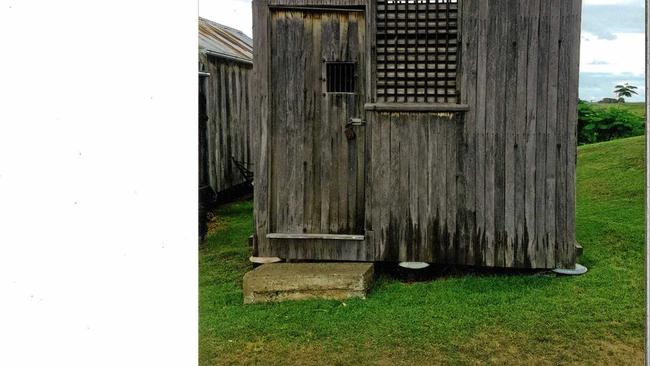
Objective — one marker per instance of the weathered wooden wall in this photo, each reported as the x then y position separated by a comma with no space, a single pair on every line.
228,90
494,186
490,186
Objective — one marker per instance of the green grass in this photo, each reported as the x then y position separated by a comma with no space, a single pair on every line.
597,318
635,107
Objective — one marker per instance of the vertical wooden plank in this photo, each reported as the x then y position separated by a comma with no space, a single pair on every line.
237,122
404,204
260,122
413,121
312,100
421,152
432,243
510,88
326,173
469,54
373,206
227,127
531,128
565,44
520,134
442,193
211,132
222,131
500,124
342,177
482,59
331,43
385,176
490,128
282,103
215,134
312,88
250,159
341,19
451,124
540,161
295,125
570,258
551,131
394,190
371,51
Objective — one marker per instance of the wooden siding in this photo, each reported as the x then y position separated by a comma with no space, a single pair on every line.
228,129
490,186
493,186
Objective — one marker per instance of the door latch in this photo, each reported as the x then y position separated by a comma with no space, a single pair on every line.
349,132
356,122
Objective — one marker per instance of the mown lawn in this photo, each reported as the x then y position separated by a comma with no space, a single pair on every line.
635,107
460,319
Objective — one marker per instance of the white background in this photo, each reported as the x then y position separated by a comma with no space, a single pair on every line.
98,182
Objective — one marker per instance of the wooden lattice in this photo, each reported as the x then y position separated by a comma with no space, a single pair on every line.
417,51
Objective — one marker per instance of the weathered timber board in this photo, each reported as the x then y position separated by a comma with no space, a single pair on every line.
228,128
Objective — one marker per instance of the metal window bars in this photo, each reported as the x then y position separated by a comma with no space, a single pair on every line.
341,77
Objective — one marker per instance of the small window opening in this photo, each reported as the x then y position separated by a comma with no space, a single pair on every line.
340,77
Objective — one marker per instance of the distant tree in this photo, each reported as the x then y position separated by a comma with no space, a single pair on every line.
625,90
609,100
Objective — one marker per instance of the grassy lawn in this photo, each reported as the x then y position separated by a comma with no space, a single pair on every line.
636,107
470,318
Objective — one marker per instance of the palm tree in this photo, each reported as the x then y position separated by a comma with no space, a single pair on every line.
625,90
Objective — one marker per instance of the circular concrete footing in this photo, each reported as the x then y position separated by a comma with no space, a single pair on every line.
580,269
414,265
264,260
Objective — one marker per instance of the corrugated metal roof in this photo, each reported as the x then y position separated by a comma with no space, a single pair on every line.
215,38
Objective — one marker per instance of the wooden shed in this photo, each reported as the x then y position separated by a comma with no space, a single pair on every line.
225,67
438,131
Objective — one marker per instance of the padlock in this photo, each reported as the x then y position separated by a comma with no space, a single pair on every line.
349,133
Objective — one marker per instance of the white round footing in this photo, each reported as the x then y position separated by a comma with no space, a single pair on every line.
580,269
414,265
264,260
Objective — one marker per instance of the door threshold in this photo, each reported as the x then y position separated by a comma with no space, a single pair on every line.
315,236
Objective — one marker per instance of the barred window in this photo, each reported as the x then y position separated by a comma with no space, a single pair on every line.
340,77
417,51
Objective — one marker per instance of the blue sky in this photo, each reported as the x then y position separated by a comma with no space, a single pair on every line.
612,42
612,47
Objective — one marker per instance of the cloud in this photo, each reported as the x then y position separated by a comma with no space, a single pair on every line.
233,13
595,86
625,54
611,2
604,21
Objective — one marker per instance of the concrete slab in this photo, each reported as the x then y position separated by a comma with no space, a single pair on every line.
301,281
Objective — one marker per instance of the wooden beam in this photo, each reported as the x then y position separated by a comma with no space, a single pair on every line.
350,9
416,107
314,236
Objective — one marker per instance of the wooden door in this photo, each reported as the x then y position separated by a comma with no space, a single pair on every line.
317,90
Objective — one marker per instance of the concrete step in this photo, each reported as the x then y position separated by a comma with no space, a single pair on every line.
301,281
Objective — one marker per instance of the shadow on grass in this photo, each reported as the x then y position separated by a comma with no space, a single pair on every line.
434,272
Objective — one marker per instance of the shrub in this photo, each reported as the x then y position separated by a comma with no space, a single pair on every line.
596,124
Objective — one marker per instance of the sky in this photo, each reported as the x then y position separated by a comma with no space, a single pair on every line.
612,42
